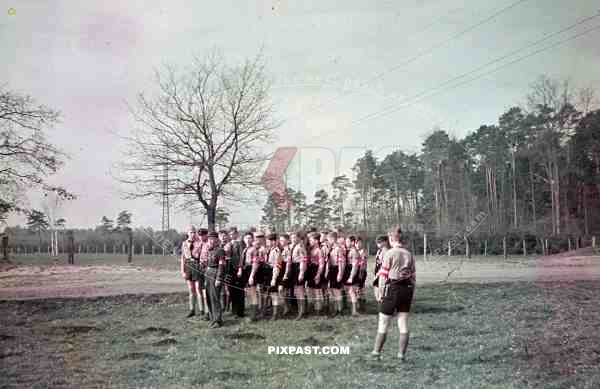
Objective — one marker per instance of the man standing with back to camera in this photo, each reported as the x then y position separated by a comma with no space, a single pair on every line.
396,288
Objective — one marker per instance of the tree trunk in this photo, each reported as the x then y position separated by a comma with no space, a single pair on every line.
532,196
514,179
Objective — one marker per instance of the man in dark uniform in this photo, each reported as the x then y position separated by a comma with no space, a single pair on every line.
382,246
215,271
397,284
236,288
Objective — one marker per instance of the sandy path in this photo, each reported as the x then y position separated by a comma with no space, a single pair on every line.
31,282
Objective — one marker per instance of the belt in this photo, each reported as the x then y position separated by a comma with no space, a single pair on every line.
213,267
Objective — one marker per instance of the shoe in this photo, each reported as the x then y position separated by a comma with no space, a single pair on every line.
275,315
374,356
190,314
206,317
401,357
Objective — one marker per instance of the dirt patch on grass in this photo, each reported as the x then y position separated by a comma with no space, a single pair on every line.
165,342
247,336
153,331
141,355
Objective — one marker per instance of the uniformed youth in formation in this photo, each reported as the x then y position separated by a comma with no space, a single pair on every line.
260,276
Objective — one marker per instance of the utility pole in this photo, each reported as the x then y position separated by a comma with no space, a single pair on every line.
165,202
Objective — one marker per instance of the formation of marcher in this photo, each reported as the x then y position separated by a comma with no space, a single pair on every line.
267,276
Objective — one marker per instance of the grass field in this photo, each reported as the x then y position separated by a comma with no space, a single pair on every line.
510,335
155,261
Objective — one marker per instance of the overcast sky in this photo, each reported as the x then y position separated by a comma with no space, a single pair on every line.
89,59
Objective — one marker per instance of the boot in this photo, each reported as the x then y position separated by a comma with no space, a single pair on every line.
275,313
192,305
339,307
379,341
286,309
402,345
354,309
301,309
253,313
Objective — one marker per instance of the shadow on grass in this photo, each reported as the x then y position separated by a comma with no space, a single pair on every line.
144,356
420,308
152,330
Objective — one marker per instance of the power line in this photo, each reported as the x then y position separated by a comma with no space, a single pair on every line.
438,89
429,50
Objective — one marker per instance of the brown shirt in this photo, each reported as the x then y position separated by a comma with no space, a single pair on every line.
398,263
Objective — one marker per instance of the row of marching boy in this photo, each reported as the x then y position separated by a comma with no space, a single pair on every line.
273,272
283,270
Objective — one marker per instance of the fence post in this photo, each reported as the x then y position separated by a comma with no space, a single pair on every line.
449,249
569,240
504,247
468,247
424,247
485,248
547,252
593,242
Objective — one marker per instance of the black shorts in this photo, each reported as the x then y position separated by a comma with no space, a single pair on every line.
246,270
347,272
191,270
333,282
293,277
362,276
311,273
266,275
376,277
397,297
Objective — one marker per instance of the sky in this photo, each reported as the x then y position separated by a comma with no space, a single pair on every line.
331,65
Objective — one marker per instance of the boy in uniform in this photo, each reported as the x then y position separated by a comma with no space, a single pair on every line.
315,272
189,269
215,270
397,280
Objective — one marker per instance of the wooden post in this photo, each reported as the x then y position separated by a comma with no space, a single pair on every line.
104,248
123,251
524,248
547,251
5,247
504,247
468,247
152,249
485,248
593,242
129,258
449,249
142,250
424,247
569,240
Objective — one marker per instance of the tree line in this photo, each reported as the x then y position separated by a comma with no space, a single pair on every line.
533,175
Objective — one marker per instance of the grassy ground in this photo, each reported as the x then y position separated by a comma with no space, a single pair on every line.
155,261
171,262
463,335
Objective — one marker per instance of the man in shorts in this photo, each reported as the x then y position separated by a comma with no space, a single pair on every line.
397,285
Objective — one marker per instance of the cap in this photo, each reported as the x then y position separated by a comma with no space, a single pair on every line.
203,231
259,234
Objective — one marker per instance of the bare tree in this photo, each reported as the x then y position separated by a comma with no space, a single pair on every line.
26,157
206,127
